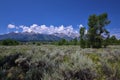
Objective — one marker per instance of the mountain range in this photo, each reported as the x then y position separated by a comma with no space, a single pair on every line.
26,36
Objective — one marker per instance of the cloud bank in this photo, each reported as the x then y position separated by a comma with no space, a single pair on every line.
11,26
43,29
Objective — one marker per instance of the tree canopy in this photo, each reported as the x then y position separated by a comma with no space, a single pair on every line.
9,42
97,31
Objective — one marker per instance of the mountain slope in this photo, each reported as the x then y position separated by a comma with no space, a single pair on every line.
29,37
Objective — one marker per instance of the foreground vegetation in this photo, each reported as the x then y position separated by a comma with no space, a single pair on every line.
50,62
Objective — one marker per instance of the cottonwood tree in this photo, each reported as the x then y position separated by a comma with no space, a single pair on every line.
82,37
97,33
97,29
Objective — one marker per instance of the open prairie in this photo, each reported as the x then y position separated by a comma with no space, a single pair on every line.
50,62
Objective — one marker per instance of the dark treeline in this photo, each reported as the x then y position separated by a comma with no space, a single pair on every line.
66,42
9,42
109,41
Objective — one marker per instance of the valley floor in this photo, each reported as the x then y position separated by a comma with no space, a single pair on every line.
50,62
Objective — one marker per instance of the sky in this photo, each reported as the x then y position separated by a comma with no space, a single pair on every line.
45,16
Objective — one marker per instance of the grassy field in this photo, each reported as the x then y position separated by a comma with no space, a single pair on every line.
50,62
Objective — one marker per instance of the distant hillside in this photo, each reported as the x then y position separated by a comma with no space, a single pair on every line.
34,36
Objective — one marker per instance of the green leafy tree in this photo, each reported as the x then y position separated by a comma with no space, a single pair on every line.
97,29
62,42
75,41
113,40
82,37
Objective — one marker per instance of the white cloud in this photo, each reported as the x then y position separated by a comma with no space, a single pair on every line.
16,31
43,29
17,27
26,29
21,26
80,25
48,30
11,26
115,32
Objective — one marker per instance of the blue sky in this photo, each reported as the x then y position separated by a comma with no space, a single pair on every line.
57,13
